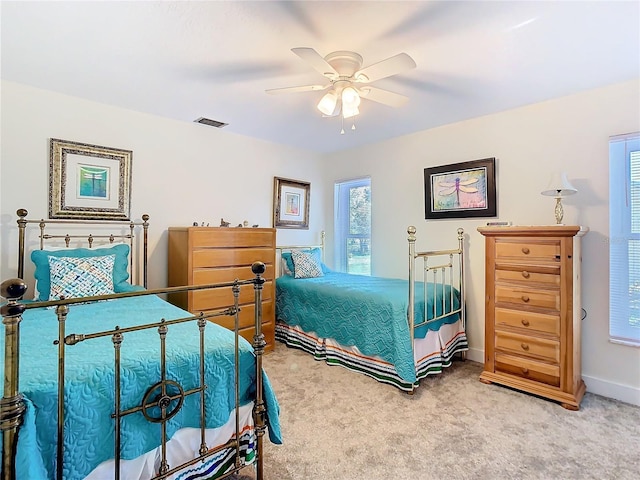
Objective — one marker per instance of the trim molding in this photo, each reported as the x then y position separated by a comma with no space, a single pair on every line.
597,386
475,355
624,393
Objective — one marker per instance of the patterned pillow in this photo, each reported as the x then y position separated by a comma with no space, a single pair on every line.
76,277
41,261
288,267
306,266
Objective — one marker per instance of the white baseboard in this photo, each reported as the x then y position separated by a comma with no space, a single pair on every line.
475,355
624,393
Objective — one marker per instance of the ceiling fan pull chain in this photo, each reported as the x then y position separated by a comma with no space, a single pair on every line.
353,126
342,121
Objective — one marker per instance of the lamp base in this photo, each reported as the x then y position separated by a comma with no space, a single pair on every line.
559,211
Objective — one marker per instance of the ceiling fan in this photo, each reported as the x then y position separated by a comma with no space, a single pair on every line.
349,82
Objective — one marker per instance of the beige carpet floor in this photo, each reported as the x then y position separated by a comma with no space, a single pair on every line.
338,424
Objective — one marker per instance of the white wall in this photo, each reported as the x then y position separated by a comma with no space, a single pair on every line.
182,171
569,134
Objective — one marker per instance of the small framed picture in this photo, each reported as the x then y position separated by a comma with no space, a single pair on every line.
89,182
291,203
460,190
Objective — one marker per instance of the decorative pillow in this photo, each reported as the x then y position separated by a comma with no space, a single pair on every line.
289,267
120,267
76,277
306,265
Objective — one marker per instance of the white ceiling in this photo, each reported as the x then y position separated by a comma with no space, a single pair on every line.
188,59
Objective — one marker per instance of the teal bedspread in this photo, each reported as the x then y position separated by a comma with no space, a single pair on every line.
367,312
90,383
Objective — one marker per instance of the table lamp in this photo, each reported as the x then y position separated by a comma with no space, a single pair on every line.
559,186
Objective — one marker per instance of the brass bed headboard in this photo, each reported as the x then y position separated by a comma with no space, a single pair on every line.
286,248
89,239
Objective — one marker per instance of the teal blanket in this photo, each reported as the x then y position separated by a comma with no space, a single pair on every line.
367,312
89,387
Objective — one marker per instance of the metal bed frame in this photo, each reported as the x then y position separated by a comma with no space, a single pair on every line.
12,406
448,271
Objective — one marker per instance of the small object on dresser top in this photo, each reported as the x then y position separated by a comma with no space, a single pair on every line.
246,223
255,226
498,224
240,225
195,224
223,223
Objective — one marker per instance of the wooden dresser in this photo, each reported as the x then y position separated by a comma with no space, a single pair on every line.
201,255
533,311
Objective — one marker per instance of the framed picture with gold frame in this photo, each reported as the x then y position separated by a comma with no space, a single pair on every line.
291,203
89,182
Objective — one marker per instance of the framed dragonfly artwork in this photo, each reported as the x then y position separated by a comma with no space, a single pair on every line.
459,190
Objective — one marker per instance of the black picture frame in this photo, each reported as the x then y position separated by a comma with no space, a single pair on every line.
461,190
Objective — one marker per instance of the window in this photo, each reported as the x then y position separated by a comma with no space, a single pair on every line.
352,200
624,239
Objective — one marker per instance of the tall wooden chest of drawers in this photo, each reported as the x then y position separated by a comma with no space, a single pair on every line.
202,255
533,311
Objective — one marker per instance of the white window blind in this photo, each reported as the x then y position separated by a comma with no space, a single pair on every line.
624,239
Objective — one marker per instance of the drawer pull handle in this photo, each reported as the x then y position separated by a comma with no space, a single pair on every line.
525,322
526,274
525,299
525,370
525,347
525,250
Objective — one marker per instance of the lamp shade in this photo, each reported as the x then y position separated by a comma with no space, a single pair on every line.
559,186
328,103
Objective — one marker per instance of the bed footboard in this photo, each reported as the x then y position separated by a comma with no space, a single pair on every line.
443,271
171,394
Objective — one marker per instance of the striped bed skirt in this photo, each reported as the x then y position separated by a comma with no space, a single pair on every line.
184,445
431,354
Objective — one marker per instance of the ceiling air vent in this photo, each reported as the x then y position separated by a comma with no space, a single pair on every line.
211,123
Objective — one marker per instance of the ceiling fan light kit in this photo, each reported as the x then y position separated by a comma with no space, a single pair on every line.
328,104
344,71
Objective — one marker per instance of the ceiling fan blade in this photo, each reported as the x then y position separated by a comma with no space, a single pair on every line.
316,60
301,88
382,96
391,66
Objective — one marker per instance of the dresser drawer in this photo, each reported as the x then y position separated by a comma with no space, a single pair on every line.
203,276
528,296
246,316
527,368
223,297
541,348
232,237
528,274
229,257
530,321
528,251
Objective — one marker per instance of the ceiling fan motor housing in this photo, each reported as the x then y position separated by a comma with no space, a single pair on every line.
344,62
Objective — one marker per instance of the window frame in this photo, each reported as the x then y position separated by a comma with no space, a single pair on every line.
622,204
342,231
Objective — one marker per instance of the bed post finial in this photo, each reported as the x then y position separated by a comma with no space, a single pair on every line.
12,406
145,246
22,225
